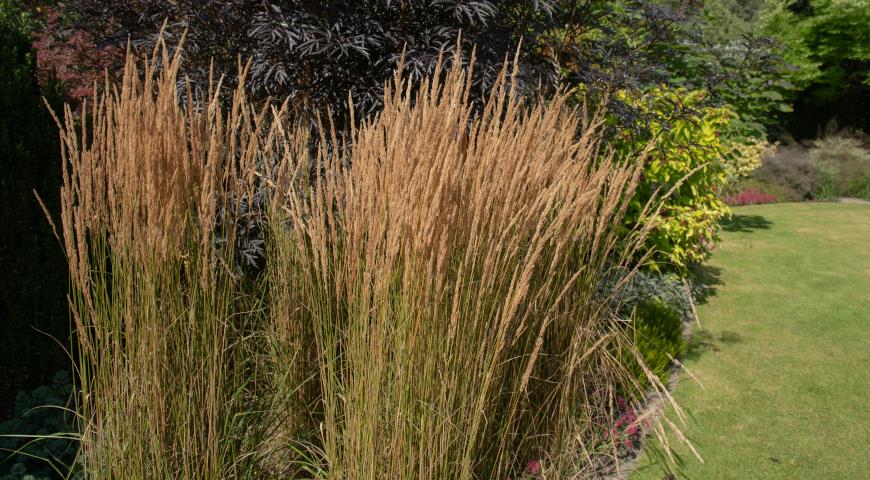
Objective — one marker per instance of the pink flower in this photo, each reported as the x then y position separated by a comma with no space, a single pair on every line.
750,196
534,467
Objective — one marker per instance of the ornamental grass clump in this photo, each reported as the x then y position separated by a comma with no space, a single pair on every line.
161,321
430,304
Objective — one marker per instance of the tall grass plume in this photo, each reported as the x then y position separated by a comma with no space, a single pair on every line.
430,303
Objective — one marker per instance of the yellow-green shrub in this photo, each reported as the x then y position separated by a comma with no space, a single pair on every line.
687,162
743,156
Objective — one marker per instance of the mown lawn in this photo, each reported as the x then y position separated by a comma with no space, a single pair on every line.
784,350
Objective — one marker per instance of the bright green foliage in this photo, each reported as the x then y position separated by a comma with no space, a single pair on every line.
686,161
737,63
779,21
658,305
658,334
729,20
835,36
828,42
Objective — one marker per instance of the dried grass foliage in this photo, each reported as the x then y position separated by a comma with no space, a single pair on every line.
430,305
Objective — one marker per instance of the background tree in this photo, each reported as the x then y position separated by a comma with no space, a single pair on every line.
739,66
319,52
828,43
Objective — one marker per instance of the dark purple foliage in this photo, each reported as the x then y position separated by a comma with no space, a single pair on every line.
320,53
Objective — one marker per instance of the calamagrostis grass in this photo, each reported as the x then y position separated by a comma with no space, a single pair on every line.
431,303
447,264
161,319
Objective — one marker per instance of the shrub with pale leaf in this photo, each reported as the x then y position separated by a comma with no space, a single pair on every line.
744,156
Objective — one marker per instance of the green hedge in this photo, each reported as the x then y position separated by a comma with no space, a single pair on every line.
33,277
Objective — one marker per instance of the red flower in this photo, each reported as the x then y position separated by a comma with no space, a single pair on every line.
534,467
750,196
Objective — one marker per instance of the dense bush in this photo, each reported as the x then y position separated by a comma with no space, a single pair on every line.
658,333
738,64
68,57
744,156
792,169
687,162
42,412
33,278
658,306
645,286
844,161
321,53
837,165
714,46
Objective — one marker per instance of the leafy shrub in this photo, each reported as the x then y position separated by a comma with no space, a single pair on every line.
646,286
70,57
687,161
658,334
749,196
744,156
792,168
860,188
739,65
827,42
40,412
844,162
319,53
659,306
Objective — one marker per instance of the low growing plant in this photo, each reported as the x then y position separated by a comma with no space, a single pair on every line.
780,193
658,333
39,440
749,196
646,286
657,308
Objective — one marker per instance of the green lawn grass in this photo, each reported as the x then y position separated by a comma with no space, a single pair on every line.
784,350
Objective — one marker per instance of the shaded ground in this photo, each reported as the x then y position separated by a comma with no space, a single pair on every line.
784,350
